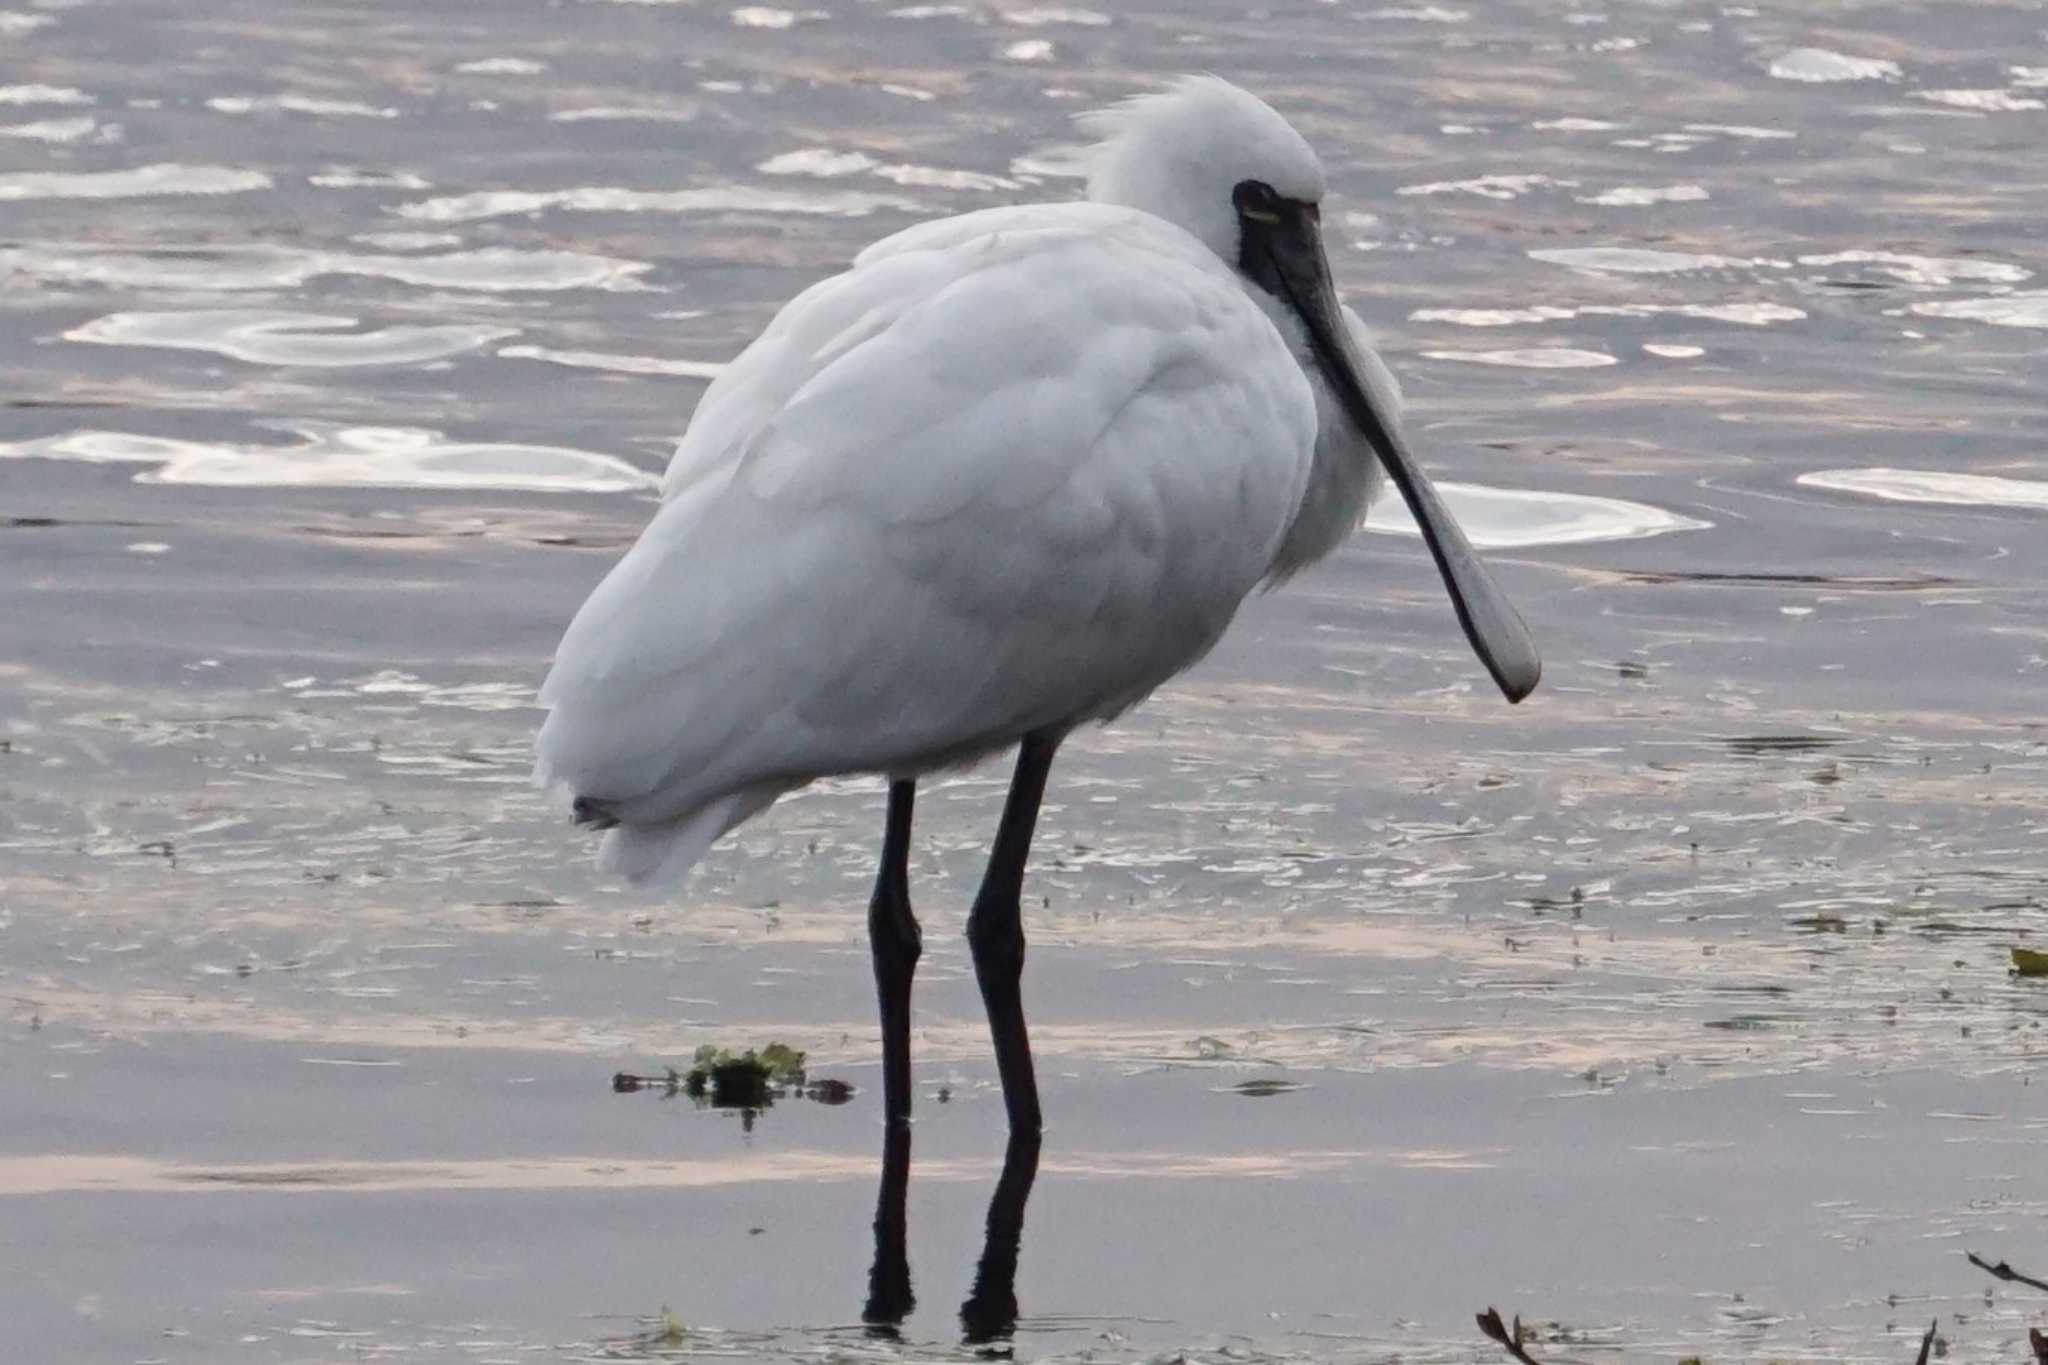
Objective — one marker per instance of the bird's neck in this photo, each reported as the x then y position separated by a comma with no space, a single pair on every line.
1344,473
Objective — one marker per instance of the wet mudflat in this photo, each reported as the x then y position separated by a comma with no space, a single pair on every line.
1672,1008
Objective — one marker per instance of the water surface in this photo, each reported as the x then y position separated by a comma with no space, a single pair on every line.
343,347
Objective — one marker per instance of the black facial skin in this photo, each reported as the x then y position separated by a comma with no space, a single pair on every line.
1280,249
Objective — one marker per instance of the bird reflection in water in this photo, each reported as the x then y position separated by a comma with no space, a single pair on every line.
990,1313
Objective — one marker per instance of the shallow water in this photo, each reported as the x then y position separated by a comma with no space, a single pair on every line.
1669,1010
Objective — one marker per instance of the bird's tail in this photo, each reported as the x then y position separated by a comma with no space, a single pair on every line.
666,850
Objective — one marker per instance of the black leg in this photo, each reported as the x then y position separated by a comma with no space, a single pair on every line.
990,1313
889,1297
896,942
995,931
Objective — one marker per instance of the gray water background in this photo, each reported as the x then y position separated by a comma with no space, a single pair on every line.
338,346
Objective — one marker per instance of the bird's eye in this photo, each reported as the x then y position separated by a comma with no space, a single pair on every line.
1256,200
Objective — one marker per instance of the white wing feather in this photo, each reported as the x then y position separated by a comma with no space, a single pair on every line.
1012,470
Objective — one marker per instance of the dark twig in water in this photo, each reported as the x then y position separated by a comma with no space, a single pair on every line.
626,1083
1927,1343
2004,1271
1490,1323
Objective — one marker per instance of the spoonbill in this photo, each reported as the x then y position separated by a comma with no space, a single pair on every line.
1006,475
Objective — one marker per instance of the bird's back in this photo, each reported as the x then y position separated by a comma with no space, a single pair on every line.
1013,469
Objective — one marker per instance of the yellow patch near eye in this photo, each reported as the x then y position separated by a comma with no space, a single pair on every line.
1260,215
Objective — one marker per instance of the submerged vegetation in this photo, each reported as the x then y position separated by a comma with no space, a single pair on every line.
720,1078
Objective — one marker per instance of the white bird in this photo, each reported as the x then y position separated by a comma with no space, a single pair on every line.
1006,475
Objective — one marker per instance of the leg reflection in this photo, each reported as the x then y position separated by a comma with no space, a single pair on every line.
889,1297
990,1313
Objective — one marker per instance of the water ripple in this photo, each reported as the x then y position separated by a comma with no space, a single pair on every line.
1638,196
1983,101
2025,309
1928,270
356,178
1744,313
492,269
502,66
331,456
63,130
1039,16
1633,260
1532,358
827,164
1518,518
481,204
1490,186
297,104
1933,486
43,94
620,364
763,16
273,337
1819,65
140,182
623,113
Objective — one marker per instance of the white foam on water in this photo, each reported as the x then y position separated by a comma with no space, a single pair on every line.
1930,270
1057,161
261,336
2028,308
764,16
13,23
1984,101
356,178
407,241
1576,125
502,66
620,364
822,162
1530,358
938,177
1934,486
482,204
1493,317
1028,50
1668,351
63,130
333,456
227,269
624,113
1039,16
1631,260
1490,186
138,183
827,164
1818,65
297,104
1517,518
1637,196
1747,314
1422,14
44,94
1742,131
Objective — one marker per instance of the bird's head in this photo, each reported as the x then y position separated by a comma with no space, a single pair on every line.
1199,154
1218,162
